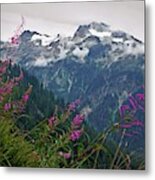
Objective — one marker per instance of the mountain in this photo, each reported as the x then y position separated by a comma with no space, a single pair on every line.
98,65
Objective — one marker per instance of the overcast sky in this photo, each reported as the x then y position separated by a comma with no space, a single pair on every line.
64,18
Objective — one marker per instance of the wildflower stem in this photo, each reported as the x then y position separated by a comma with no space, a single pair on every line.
8,162
118,149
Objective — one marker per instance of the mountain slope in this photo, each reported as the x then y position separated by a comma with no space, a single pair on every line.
97,64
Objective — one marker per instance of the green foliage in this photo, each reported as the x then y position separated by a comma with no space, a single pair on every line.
15,151
90,151
41,147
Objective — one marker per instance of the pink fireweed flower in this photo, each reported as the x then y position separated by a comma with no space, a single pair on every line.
7,106
7,87
131,124
2,70
125,125
75,135
78,120
142,108
140,96
137,123
65,155
25,97
51,121
72,106
2,90
133,102
77,101
15,40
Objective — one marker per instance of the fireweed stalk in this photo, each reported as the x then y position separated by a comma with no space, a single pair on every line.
6,87
134,104
6,90
74,132
15,39
71,108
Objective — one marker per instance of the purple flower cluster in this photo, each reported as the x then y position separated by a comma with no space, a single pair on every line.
72,106
25,97
78,120
51,121
75,135
135,103
7,106
65,155
6,89
76,125
132,123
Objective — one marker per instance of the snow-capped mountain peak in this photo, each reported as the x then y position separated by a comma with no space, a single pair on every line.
99,26
44,40
93,41
100,34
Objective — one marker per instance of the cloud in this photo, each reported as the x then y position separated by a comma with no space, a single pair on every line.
64,18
